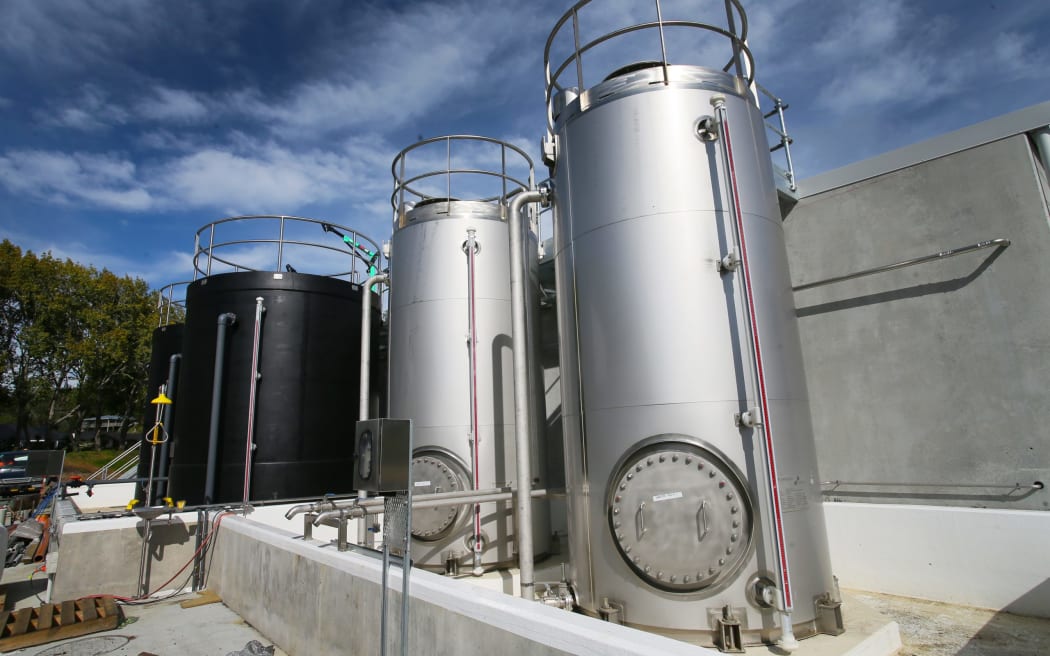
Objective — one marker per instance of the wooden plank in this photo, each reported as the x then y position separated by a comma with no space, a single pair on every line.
109,607
205,597
69,613
44,621
4,616
21,621
87,610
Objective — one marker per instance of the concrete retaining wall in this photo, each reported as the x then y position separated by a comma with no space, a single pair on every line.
315,600
102,556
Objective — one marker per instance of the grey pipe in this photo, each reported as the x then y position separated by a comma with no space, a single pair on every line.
225,319
522,411
366,344
162,468
366,375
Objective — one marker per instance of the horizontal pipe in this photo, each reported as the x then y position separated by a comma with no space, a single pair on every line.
373,506
1000,242
1037,485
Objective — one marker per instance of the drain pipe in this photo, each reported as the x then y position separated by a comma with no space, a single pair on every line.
225,320
162,468
522,415
366,376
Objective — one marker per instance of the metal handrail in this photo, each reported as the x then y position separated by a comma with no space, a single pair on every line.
737,40
402,183
103,473
166,301
783,138
1037,485
205,246
1001,242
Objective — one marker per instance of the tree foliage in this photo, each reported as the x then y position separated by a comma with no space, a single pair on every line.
74,341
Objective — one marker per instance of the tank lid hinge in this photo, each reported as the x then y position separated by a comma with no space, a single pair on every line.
730,639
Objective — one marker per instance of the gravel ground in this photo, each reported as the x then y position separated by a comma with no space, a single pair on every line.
931,628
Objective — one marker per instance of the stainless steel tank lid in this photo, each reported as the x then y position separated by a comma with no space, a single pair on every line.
680,517
431,474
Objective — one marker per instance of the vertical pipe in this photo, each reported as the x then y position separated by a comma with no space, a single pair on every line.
576,44
366,377
522,418
470,248
663,43
253,384
225,319
731,23
763,422
162,468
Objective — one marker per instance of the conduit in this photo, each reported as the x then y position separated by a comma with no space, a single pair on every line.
225,320
787,639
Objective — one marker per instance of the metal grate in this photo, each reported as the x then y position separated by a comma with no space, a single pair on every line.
395,523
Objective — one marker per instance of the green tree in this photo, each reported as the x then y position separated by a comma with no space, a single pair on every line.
73,341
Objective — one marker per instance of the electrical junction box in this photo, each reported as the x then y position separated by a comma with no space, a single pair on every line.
382,455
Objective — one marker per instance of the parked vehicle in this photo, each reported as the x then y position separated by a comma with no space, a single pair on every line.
13,475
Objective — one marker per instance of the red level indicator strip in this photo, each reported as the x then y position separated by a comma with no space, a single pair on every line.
778,520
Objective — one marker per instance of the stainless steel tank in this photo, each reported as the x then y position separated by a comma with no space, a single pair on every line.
450,343
671,518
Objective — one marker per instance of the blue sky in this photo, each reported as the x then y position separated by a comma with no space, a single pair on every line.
125,125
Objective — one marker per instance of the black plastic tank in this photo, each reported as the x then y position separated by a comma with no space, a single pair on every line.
307,395
166,342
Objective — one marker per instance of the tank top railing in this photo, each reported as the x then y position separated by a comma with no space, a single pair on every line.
781,140
171,303
741,61
356,258
410,188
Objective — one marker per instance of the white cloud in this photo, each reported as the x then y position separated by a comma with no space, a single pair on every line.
90,110
78,178
175,105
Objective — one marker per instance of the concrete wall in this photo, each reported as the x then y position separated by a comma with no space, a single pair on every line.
936,373
310,599
102,556
975,557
